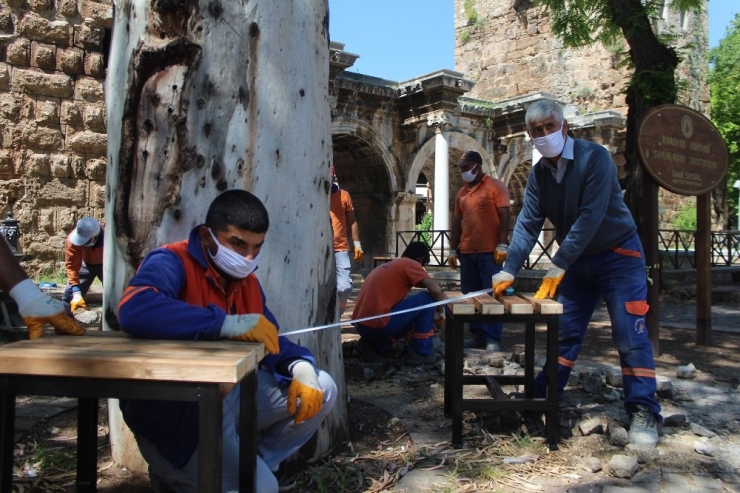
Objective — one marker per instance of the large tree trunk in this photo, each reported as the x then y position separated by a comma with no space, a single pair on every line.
203,96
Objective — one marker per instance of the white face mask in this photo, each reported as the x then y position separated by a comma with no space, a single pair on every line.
469,176
231,262
550,145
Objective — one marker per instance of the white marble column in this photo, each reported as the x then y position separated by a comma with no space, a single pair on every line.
441,181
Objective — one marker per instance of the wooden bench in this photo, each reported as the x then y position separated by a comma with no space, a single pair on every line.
112,365
520,309
378,260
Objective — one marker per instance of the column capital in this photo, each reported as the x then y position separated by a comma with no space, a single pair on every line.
439,120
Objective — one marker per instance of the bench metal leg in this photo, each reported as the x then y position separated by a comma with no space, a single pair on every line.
248,434
7,441
210,440
456,382
552,384
529,360
87,444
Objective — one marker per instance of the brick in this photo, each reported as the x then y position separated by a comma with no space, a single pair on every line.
42,138
70,60
88,142
43,55
42,84
94,64
19,52
71,114
68,8
94,116
39,29
7,24
100,13
10,107
47,113
89,89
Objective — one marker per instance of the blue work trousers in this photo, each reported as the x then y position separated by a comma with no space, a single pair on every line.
620,277
419,323
476,271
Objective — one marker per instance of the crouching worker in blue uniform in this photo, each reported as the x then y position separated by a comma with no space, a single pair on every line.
204,288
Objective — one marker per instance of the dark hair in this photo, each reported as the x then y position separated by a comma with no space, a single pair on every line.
237,208
417,249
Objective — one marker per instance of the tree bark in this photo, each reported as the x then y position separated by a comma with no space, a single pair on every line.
204,96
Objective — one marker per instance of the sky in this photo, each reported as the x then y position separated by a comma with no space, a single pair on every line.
402,39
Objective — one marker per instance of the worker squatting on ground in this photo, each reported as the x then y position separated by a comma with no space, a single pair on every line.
36,308
204,288
83,260
384,291
575,186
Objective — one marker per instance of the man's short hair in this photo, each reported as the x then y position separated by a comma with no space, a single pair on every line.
237,208
540,110
417,249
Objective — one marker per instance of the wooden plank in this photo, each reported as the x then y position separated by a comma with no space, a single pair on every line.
488,305
515,305
462,307
545,307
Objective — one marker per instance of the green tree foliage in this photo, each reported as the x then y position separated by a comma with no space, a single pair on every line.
584,22
426,225
724,81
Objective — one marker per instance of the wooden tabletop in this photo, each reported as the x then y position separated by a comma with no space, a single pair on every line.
116,355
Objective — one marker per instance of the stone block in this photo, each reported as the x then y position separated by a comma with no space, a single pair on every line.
47,113
37,165
95,170
7,23
62,193
89,89
71,114
6,161
60,165
94,64
16,4
43,55
68,8
94,116
70,60
10,106
42,138
19,52
97,193
41,6
87,141
4,77
39,29
89,37
101,14
42,84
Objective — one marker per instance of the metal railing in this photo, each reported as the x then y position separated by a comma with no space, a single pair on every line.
676,247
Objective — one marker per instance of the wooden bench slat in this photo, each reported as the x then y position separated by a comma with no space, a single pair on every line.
488,305
545,307
515,305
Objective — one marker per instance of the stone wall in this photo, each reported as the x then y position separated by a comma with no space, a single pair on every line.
52,116
507,47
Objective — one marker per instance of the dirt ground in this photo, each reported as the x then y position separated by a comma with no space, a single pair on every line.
387,395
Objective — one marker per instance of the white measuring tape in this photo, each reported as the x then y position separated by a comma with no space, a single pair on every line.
359,320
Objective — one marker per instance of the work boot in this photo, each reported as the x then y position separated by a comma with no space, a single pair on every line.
493,346
413,358
643,427
474,342
533,424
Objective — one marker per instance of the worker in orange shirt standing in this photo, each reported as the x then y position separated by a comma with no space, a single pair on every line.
342,214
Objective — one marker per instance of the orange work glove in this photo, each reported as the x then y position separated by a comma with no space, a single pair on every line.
305,385
499,256
550,283
452,259
252,327
359,254
501,281
37,309
77,301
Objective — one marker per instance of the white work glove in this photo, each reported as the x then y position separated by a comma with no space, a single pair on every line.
77,301
499,256
500,282
452,259
252,327
38,309
305,386
550,283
